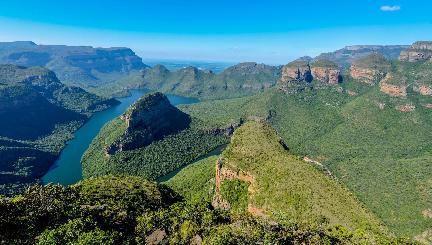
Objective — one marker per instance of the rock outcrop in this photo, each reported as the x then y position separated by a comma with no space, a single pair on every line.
151,118
423,90
419,51
370,69
393,90
406,108
296,77
297,71
223,174
326,71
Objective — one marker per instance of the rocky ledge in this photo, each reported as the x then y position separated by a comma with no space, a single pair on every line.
326,71
419,51
150,118
423,90
370,69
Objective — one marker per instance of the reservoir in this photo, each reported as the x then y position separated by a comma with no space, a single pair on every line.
67,169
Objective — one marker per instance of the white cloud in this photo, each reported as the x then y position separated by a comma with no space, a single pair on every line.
388,8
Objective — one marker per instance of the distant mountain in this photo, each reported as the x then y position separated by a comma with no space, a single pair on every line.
419,51
345,56
174,65
239,80
37,115
79,65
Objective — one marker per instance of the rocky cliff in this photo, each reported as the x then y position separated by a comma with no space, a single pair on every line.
295,77
419,51
149,119
81,65
326,71
298,75
370,69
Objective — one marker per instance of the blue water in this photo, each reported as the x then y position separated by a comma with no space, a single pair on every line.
67,169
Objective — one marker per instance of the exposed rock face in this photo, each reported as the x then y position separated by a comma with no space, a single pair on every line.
370,69
391,89
297,71
73,64
326,71
222,174
424,90
364,74
406,108
151,118
327,75
419,51
296,77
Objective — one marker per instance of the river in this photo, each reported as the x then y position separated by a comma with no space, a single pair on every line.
67,169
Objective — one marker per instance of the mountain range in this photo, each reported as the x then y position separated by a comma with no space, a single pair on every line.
83,66
327,150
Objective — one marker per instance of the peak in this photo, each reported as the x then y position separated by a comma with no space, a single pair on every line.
149,119
147,101
160,67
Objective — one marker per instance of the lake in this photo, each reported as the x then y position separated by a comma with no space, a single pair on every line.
67,169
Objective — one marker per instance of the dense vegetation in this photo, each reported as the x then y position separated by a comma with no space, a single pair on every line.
130,210
380,153
38,114
152,161
285,187
239,80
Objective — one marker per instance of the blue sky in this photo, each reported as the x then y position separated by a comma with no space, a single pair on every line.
271,31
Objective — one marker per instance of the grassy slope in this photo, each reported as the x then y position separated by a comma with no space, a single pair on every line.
287,187
195,182
374,152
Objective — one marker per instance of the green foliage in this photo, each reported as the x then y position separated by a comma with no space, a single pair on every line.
240,80
236,193
325,63
79,232
130,210
195,181
39,115
373,61
381,155
152,161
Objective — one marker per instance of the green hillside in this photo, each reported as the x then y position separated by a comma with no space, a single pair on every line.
38,114
380,153
131,210
239,80
171,150
285,187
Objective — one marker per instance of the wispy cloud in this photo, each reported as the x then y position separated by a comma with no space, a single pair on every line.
389,8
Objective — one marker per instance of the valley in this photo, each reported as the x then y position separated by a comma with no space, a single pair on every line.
236,148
